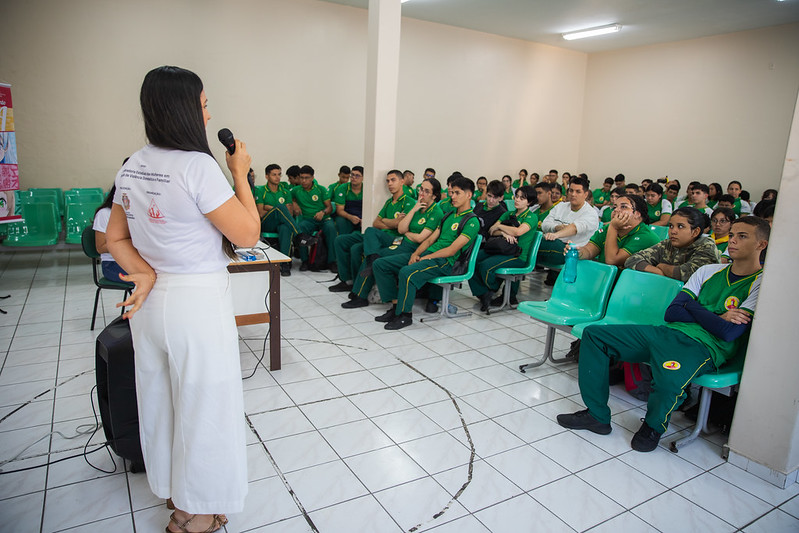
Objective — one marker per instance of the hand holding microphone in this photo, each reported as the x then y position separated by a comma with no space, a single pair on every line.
236,157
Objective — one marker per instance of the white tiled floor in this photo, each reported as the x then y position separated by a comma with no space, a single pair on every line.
363,430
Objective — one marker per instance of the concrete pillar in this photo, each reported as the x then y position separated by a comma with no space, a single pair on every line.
382,79
764,438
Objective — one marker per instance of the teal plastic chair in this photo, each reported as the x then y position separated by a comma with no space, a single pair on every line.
90,249
637,298
87,190
661,231
515,275
77,218
76,197
56,191
510,205
40,226
571,304
447,283
722,380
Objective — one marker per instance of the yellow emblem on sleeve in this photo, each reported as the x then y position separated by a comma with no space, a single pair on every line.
671,365
731,303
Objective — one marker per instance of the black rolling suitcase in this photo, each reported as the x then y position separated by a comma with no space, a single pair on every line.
116,392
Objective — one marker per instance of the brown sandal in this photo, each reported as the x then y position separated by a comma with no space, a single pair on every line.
216,524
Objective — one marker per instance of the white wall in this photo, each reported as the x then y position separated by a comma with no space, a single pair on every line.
287,76
710,109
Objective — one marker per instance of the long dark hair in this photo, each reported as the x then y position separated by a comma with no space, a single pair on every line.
436,187
173,115
109,200
696,219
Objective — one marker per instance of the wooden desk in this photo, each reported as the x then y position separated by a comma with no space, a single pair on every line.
252,282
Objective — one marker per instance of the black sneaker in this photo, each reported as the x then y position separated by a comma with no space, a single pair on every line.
333,267
355,303
485,302
645,439
388,316
431,307
341,286
304,266
285,269
552,277
497,302
400,321
584,420
513,300
574,350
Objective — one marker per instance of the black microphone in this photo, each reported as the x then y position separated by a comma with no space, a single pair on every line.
227,140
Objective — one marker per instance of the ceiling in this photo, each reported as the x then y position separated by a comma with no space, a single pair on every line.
643,22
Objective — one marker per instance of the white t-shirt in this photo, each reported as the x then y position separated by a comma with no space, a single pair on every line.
585,219
100,224
165,195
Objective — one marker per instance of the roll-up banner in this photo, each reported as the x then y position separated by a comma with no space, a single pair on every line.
9,172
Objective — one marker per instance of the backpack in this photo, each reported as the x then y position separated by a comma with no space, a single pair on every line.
637,380
461,264
317,254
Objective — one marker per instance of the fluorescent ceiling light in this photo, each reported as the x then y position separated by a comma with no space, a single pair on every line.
592,32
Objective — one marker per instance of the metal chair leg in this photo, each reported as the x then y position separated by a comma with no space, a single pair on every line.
701,421
548,346
94,313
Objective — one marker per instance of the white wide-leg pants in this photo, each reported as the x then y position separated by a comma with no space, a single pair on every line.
188,386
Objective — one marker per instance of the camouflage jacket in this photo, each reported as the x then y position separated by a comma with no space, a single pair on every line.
702,251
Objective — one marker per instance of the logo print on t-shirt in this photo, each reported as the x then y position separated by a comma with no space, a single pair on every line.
281,200
315,198
155,214
125,201
671,365
731,303
454,226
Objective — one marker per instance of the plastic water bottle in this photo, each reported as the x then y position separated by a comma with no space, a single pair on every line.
570,268
452,309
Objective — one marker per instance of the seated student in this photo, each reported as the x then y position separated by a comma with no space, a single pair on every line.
764,204
602,195
740,207
343,179
768,194
251,180
645,184
348,201
673,192
606,212
726,200
313,207
658,208
721,222
493,207
698,198
434,257
574,220
275,206
482,186
632,188
522,181
708,322
686,200
556,193
683,252
110,269
293,175
627,232
356,248
534,178
446,203
619,181
428,173
507,183
423,218
516,227
544,203
407,179
714,193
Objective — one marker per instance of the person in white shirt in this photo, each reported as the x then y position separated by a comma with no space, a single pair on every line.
572,221
111,270
172,224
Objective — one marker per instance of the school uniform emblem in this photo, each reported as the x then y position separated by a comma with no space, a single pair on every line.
671,365
281,200
731,303
422,220
657,213
315,198
454,226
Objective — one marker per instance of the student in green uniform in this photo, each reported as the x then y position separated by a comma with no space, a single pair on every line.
508,184
565,179
606,213
314,208
275,206
348,201
407,178
721,223
293,175
707,323
446,202
434,257
734,189
428,173
490,209
480,191
627,232
698,198
544,203
602,195
415,227
659,208
484,283
715,191
343,179
522,181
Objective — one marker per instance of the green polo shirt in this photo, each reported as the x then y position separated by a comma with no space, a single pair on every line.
280,197
346,194
392,209
639,238
449,232
601,196
430,218
529,219
542,214
446,205
333,188
409,192
311,201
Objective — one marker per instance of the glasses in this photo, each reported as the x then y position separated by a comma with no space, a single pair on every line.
720,221
428,175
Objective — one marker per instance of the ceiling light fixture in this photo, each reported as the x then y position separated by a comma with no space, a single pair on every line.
592,32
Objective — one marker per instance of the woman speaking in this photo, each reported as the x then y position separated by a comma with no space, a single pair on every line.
172,222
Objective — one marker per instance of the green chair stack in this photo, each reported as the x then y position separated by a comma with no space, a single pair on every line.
40,226
55,191
571,304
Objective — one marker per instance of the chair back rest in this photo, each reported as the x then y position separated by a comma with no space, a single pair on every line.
79,216
641,297
475,252
589,293
534,249
56,191
88,243
661,231
75,197
41,219
511,205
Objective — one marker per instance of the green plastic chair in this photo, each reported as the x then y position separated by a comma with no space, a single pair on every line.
87,190
57,191
637,298
515,275
77,218
33,196
40,226
571,304
447,283
90,249
722,380
74,197
510,205
661,231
